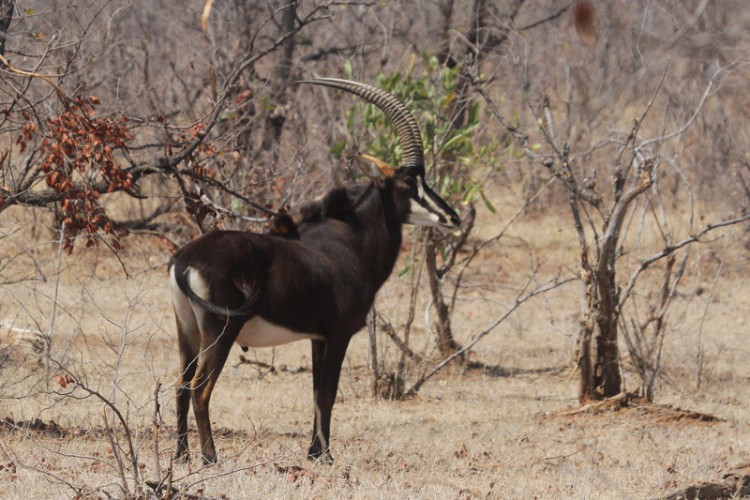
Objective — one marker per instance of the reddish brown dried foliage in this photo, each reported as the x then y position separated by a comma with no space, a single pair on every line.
79,163
196,169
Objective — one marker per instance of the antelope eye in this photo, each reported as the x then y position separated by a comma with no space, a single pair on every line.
411,183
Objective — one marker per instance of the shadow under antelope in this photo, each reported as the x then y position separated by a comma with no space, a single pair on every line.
316,280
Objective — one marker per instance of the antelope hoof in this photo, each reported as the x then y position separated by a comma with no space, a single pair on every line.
182,456
209,459
323,457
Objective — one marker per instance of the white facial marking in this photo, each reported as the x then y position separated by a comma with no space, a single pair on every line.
258,332
420,216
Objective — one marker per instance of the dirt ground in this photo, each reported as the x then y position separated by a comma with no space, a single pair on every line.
499,432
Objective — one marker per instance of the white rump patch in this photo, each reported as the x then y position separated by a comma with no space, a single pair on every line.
197,284
180,302
258,332
185,311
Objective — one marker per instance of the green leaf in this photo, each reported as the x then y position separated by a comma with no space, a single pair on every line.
238,205
404,272
487,202
430,91
229,114
448,100
474,114
457,142
338,148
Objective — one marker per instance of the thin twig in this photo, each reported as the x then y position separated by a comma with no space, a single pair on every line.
155,431
696,111
520,300
31,74
116,453
53,315
401,344
646,263
700,354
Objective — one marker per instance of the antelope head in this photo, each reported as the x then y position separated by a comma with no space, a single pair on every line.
425,207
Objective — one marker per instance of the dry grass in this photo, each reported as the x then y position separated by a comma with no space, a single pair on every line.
480,433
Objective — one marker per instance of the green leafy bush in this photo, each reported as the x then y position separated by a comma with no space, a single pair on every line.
448,120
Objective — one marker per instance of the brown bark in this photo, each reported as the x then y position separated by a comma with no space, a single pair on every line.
275,120
241,94
583,356
483,34
443,333
6,16
583,361
607,378
444,39
607,381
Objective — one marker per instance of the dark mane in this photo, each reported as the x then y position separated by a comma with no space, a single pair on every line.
334,204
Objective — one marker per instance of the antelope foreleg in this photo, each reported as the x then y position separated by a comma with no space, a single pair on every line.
327,361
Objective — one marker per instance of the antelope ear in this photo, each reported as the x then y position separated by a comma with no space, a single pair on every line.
373,168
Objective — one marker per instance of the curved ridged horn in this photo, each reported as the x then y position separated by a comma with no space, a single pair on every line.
404,121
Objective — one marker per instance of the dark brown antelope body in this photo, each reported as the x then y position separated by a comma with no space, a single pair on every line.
316,282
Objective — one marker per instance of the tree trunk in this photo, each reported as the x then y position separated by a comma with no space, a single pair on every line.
444,39
589,302
443,333
607,381
601,378
372,327
6,16
277,117
241,96
583,356
583,362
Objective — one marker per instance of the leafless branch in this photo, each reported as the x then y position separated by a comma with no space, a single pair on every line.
670,249
706,94
524,296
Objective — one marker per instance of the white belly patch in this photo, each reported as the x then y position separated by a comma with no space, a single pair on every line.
258,332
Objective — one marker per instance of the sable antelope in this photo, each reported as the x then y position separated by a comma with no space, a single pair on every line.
314,279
